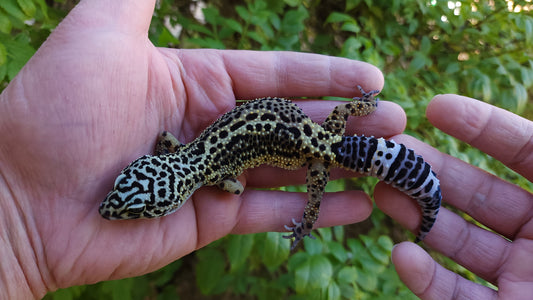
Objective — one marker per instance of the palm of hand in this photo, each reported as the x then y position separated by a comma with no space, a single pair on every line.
94,97
90,103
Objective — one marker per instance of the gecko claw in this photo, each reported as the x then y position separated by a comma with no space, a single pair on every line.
298,233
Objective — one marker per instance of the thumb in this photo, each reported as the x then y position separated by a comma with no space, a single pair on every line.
127,16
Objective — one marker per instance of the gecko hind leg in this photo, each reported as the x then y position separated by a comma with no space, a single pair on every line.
316,180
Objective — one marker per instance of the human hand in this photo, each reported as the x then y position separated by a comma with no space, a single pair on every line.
94,97
503,257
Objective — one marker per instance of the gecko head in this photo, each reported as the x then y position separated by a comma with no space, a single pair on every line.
148,188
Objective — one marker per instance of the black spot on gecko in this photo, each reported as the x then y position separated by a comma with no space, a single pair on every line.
268,117
251,116
237,125
307,130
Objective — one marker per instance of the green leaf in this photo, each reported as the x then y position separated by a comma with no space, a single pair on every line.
11,8
18,52
390,48
347,275
336,17
234,25
293,21
486,87
166,38
257,37
313,246
211,15
333,292
425,45
351,47
198,28
413,26
338,231
3,54
3,71
72,293
367,281
419,61
242,12
313,273
351,27
28,7
275,21
452,68
292,3
380,254
119,289
296,260
275,249
385,243
520,94
238,250
209,270
44,7
5,23
326,234
526,74
351,4
338,251
166,274
208,43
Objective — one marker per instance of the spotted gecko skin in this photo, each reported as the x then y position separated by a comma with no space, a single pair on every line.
276,132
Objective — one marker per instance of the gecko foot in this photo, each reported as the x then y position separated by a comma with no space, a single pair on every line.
367,96
298,233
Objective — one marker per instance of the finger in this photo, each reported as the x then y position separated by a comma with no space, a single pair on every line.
260,211
371,125
499,205
300,74
476,249
497,132
387,120
254,74
429,280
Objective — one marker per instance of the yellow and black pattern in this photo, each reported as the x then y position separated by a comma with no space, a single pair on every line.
276,132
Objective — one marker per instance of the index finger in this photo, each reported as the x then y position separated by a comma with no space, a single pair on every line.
497,132
293,74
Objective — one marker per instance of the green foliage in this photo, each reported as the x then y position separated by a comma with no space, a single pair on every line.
331,267
477,48
24,25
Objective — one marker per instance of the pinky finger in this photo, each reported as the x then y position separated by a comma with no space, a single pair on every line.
429,280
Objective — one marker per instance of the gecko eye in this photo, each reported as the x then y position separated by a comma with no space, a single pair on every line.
136,208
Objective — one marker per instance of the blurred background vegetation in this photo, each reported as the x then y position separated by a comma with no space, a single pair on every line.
482,49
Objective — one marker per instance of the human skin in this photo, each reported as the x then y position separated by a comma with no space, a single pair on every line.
503,257
95,96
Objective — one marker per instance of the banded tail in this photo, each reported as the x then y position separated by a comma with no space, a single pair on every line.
397,165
